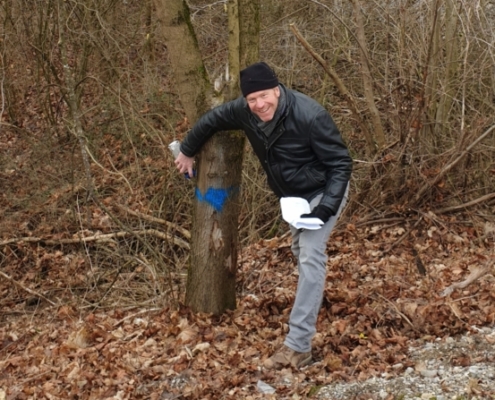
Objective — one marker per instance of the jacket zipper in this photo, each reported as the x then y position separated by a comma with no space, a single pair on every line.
268,144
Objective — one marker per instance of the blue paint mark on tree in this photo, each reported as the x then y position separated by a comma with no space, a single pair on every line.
214,197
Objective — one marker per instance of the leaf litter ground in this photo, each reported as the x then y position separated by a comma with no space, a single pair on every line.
376,303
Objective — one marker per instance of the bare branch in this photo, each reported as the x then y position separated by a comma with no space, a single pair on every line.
473,276
448,167
338,82
474,202
182,231
107,237
30,291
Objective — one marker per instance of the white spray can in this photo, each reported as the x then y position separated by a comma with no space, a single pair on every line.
175,149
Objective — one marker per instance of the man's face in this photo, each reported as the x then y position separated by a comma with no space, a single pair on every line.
264,103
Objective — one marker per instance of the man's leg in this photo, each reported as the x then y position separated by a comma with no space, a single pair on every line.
309,247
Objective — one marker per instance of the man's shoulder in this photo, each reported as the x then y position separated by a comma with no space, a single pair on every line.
303,102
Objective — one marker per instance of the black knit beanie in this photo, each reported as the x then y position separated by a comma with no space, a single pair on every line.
257,77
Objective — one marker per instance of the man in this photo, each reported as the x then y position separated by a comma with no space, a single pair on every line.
303,155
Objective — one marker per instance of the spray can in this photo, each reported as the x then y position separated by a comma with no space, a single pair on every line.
175,149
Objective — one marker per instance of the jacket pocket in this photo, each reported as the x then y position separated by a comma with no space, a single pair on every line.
315,176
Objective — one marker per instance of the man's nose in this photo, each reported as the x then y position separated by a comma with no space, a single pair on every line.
260,103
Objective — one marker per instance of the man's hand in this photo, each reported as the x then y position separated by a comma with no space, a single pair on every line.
322,212
185,164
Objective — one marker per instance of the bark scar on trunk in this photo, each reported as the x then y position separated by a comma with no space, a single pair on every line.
217,237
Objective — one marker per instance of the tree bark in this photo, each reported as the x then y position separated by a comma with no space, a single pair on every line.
249,24
214,245
186,64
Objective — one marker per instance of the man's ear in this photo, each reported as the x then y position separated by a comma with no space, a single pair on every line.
276,90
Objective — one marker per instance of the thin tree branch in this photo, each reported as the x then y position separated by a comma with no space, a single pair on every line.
448,167
473,276
379,134
107,237
398,311
338,82
182,231
30,291
474,202
403,236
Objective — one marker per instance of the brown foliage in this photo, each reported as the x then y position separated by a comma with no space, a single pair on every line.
375,305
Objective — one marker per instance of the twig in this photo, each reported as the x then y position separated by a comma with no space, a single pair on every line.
114,172
99,238
424,97
30,291
473,276
367,79
398,311
144,242
380,221
465,205
448,167
134,315
403,236
182,231
2,92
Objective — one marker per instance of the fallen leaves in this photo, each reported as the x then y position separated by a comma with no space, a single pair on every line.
374,305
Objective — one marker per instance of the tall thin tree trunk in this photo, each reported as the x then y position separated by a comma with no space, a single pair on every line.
72,96
449,86
430,73
214,242
368,80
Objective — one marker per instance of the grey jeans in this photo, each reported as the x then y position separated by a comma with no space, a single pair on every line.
309,247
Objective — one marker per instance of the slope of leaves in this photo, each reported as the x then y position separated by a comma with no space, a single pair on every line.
376,302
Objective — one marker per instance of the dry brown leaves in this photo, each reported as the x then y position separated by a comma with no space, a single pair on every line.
375,304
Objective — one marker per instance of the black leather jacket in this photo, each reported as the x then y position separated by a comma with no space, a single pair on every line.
303,157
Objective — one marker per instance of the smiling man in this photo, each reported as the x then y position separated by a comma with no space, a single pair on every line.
303,155
264,103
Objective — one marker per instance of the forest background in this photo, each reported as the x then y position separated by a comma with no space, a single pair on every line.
94,216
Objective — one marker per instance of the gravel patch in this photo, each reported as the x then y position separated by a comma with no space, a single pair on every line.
449,368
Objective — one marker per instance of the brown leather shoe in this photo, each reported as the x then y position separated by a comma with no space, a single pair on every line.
287,357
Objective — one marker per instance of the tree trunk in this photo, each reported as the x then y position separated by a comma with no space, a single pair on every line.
368,80
72,95
214,242
249,23
430,75
450,84
187,67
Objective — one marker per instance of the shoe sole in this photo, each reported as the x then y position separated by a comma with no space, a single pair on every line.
304,363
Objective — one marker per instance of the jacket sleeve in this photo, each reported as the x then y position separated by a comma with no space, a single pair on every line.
327,143
222,118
